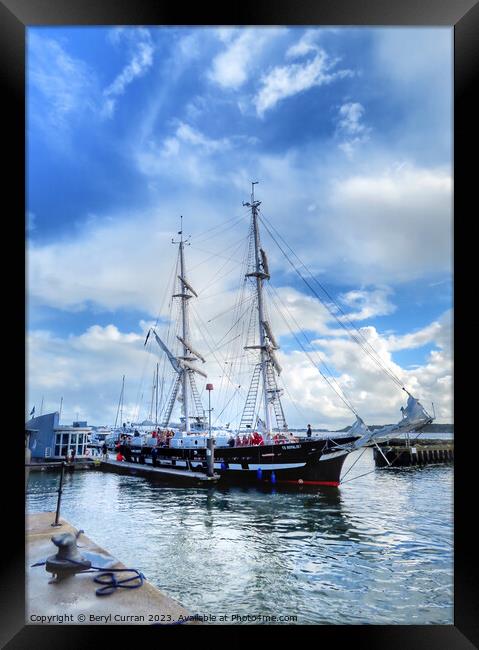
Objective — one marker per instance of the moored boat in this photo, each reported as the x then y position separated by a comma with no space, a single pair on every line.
261,448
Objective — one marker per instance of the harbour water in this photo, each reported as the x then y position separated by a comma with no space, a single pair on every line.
376,550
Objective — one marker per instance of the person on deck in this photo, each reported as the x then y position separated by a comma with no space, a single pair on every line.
105,451
309,432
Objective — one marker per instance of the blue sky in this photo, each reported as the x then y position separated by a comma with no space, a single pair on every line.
348,131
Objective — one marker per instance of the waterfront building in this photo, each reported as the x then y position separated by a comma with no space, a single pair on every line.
50,440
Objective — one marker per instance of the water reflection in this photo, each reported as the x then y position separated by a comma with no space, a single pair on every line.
376,550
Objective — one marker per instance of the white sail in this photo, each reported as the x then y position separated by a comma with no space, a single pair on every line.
414,417
358,428
414,414
173,360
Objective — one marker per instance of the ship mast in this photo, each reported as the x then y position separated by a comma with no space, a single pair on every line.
183,365
260,274
184,296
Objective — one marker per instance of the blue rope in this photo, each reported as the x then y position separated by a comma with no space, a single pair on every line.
112,583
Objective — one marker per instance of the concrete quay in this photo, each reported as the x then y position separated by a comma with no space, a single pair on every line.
73,600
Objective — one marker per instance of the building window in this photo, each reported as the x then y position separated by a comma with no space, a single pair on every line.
66,442
58,442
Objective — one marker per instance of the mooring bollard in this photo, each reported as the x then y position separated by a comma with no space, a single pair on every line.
210,456
210,450
60,490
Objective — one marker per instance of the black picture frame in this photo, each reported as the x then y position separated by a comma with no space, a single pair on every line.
463,16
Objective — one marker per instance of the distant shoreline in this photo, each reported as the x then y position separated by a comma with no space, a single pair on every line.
430,428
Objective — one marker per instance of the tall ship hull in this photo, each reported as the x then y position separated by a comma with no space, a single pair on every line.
317,462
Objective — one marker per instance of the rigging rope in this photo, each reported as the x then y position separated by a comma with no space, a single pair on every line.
341,397
315,350
355,338
398,454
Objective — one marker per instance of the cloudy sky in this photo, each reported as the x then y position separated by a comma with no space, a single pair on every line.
347,130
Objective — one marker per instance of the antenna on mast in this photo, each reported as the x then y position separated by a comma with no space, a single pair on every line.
180,232
253,204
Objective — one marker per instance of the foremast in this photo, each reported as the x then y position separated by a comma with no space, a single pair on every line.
184,364
267,343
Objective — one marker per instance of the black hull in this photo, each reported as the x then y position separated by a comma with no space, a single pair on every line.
312,462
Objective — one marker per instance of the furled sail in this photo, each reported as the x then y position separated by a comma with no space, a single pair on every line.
414,417
270,335
274,360
191,349
264,262
173,360
190,366
188,285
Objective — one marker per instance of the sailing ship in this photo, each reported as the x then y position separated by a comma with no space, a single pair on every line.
261,448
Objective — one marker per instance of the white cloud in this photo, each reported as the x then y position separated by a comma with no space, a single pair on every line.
192,136
86,370
306,44
368,303
189,154
141,60
367,224
375,222
67,84
125,274
288,80
350,127
186,154
232,66
301,312
372,392
350,115
394,224
70,88
416,66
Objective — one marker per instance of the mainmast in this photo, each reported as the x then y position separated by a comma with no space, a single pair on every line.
184,296
260,273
